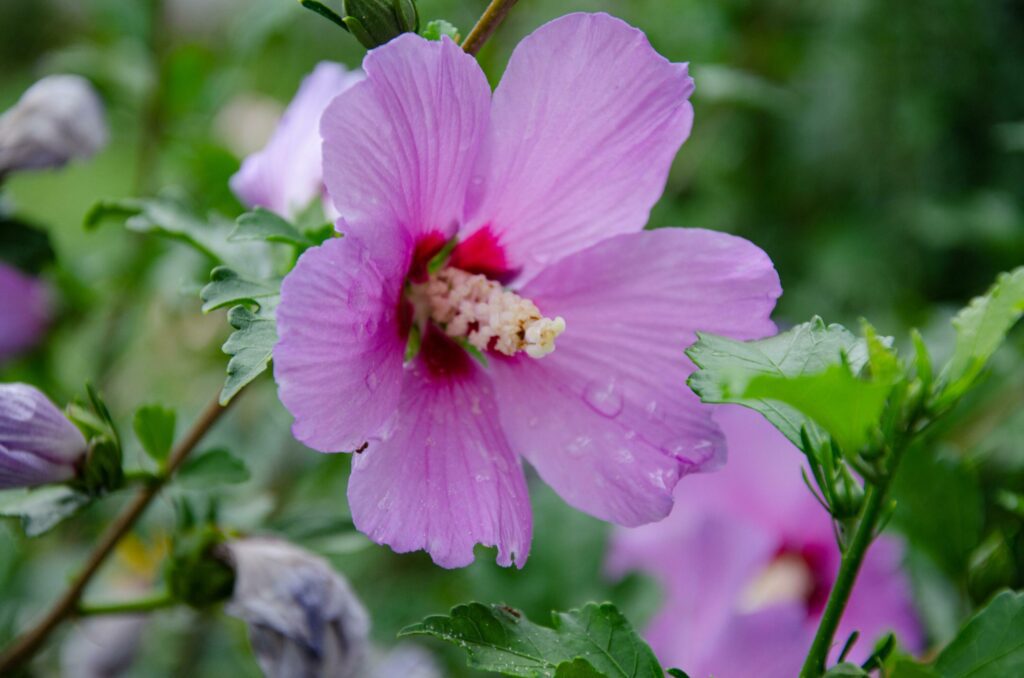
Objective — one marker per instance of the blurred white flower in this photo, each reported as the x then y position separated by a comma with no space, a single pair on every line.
246,122
304,620
57,119
102,647
406,661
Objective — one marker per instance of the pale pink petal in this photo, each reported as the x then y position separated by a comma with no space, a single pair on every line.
585,124
446,479
338,360
771,643
703,564
24,311
607,419
399,146
287,175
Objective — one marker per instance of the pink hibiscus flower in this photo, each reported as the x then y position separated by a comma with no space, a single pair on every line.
546,185
746,562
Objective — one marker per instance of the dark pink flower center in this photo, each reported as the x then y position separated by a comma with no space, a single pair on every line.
454,292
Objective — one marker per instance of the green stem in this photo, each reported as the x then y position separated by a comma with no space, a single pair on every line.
157,601
488,23
853,557
141,478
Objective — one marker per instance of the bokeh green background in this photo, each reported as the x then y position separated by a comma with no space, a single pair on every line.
874,149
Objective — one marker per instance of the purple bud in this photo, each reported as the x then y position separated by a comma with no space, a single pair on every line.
58,119
303,618
38,444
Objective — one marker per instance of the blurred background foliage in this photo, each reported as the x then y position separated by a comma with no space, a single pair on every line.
874,149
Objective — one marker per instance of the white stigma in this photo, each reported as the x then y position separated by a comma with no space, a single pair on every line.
472,307
787,579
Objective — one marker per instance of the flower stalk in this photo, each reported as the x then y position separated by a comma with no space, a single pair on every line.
849,568
30,642
486,25
157,601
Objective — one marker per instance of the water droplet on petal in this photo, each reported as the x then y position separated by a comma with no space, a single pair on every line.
372,381
604,398
579,445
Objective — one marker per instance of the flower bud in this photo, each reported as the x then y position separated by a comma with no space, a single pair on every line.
375,22
58,119
38,444
303,618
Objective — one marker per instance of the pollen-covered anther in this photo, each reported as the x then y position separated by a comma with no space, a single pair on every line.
470,306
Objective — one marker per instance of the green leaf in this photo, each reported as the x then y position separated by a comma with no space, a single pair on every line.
500,639
24,246
42,509
439,27
727,366
161,216
678,673
211,469
980,330
990,645
227,288
250,346
845,406
577,668
947,531
262,224
906,668
154,427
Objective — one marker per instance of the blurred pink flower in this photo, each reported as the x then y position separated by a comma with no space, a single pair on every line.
547,185
746,562
286,175
24,311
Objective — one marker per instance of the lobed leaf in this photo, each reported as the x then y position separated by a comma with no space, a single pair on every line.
596,640
43,509
811,355
262,224
250,346
162,216
980,330
228,288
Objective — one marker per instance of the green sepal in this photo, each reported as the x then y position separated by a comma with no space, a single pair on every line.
194,573
361,34
324,11
436,29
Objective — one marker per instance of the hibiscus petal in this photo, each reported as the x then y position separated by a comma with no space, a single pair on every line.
286,175
585,124
446,480
31,424
399,147
25,469
338,360
607,419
